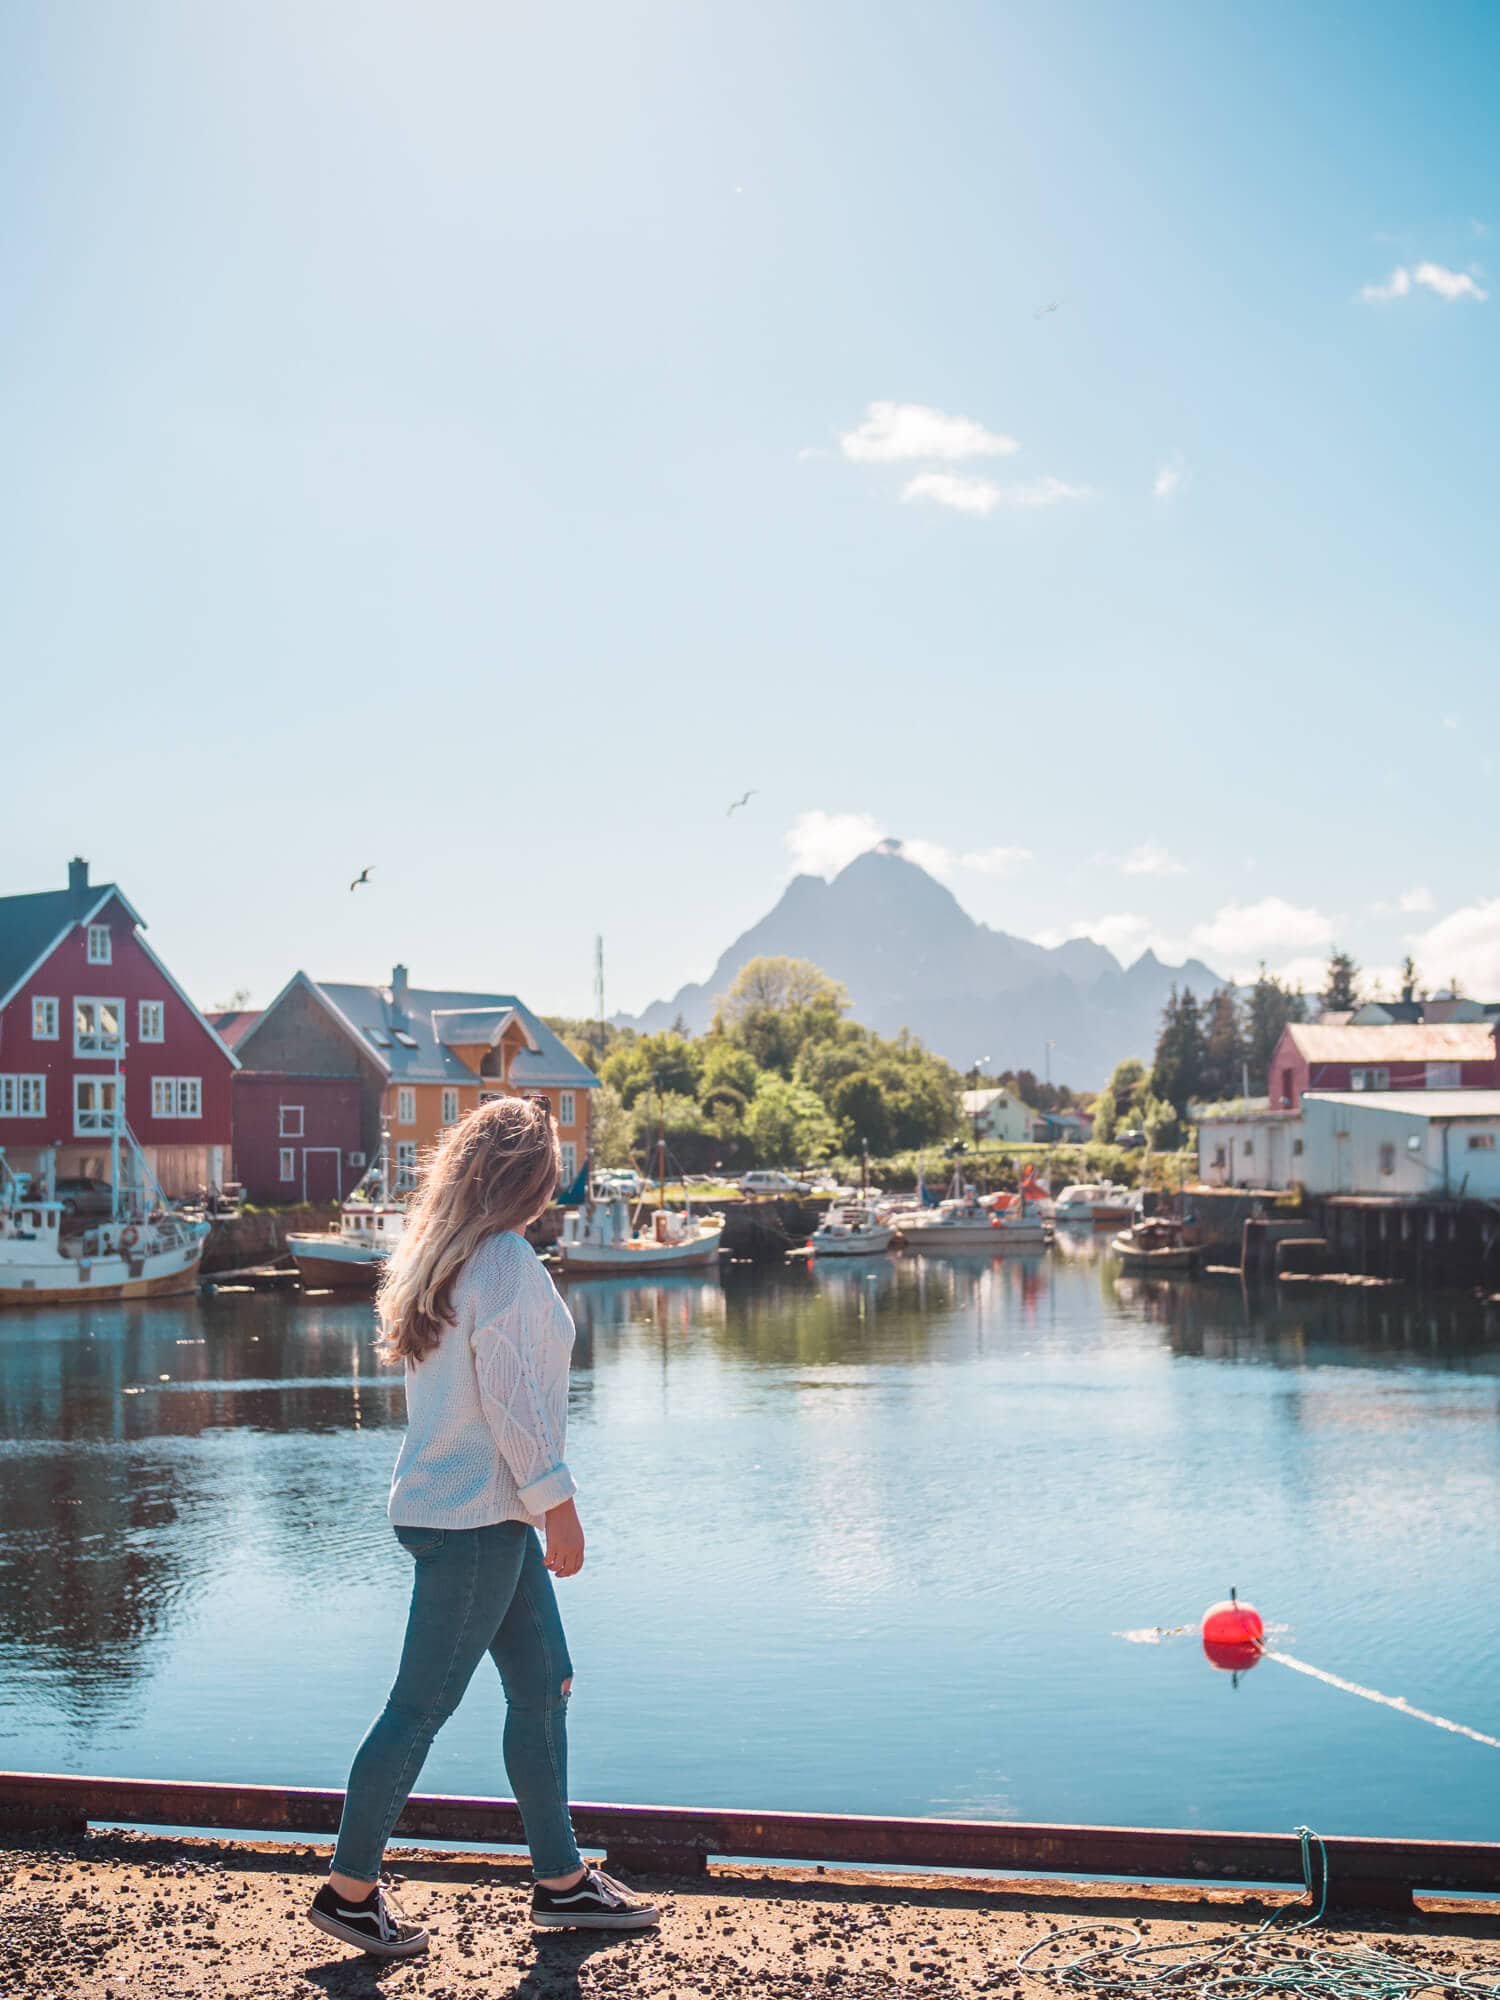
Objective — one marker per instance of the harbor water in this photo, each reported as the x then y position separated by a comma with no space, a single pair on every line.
902,1535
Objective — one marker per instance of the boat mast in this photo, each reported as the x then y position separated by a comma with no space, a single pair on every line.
116,1113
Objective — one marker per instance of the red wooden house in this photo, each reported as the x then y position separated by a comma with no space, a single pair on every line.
94,1029
1455,1055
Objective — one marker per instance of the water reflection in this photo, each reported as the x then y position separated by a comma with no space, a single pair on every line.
804,1487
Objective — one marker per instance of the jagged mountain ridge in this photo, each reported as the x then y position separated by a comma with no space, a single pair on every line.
911,956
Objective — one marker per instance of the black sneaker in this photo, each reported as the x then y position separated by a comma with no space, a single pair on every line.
597,1903
374,1925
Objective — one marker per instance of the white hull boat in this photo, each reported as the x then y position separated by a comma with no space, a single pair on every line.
599,1239
352,1257
852,1229
150,1253
1093,1205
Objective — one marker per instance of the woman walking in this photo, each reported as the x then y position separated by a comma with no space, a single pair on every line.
485,1340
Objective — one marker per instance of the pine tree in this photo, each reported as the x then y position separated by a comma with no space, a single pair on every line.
1272,1008
1340,983
1177,1073
1223,1047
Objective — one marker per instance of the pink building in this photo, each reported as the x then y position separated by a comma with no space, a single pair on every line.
1401,1056
94,1030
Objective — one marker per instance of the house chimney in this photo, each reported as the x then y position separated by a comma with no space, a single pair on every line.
398,988
78,874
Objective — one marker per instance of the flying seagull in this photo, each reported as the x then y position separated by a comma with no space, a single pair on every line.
1042,311
741,802
360,879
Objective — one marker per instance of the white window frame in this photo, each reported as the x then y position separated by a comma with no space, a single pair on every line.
1443,1075
288,1163
406,1163
1378,1078
567,1107
176,1097
291,1122
23,1095
151,1020
92,1041
44,1011
101,945
450,1104
569,1152
90,1118
406,1104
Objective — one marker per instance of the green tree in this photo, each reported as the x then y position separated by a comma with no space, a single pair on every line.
1177,1073
676,1114
1115,1106
787,1124
776,1005
1223,1046
1272,1008
862,1107
1340,983
610,1128
1409,978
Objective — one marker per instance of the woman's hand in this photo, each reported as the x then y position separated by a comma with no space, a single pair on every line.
564,1540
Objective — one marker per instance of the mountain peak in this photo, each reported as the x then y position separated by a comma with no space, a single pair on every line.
912,956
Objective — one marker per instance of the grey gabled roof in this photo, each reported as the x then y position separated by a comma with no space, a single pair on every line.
31,925
371,1011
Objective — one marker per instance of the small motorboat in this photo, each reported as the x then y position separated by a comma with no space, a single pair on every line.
1156,1243
352,1257
144,1249
852,1229
1094,1204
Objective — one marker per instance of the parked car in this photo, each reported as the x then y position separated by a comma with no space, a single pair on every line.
620,1180
768,1180
1131,1141
82,1195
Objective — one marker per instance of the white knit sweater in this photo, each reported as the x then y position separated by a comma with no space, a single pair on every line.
487,1410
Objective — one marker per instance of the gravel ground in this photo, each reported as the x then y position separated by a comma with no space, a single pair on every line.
135,1917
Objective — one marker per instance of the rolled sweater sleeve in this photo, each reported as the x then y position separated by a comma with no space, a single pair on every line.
522,1371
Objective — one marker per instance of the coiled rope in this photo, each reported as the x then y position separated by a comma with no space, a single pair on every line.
1252,1961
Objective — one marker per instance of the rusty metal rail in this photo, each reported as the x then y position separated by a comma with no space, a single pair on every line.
1363,1874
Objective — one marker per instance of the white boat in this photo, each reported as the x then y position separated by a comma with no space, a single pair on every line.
852,1229
1157,1243
144,1250
1094,1204
963,1222
599,1236
352,1257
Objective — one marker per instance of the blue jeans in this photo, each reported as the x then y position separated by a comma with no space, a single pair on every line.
476,1591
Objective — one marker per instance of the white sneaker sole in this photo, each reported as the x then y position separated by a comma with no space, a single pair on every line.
596,1920
331,1927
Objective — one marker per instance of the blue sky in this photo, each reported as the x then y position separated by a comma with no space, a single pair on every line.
482,441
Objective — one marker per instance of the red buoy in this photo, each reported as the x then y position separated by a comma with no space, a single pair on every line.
1232,1634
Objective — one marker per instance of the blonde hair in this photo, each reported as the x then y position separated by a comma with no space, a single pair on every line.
496,1169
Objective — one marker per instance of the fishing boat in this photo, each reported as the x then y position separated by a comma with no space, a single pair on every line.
602,1236
351,1257
852,1229
962,1221
143,1249
1156,1243
1094,1204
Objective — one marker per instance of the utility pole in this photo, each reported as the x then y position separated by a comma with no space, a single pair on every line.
981,1063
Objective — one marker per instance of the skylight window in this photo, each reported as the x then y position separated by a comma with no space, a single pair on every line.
381,1041
407,1041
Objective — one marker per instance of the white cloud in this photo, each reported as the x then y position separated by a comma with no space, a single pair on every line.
995,860
1150,858
1123,932
954,489
1411,902
1449,285
1465,946
822,843
891,432
1170,477
982,496
1450,722
1239,935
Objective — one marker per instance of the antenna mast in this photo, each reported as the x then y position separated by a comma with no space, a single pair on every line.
599,988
